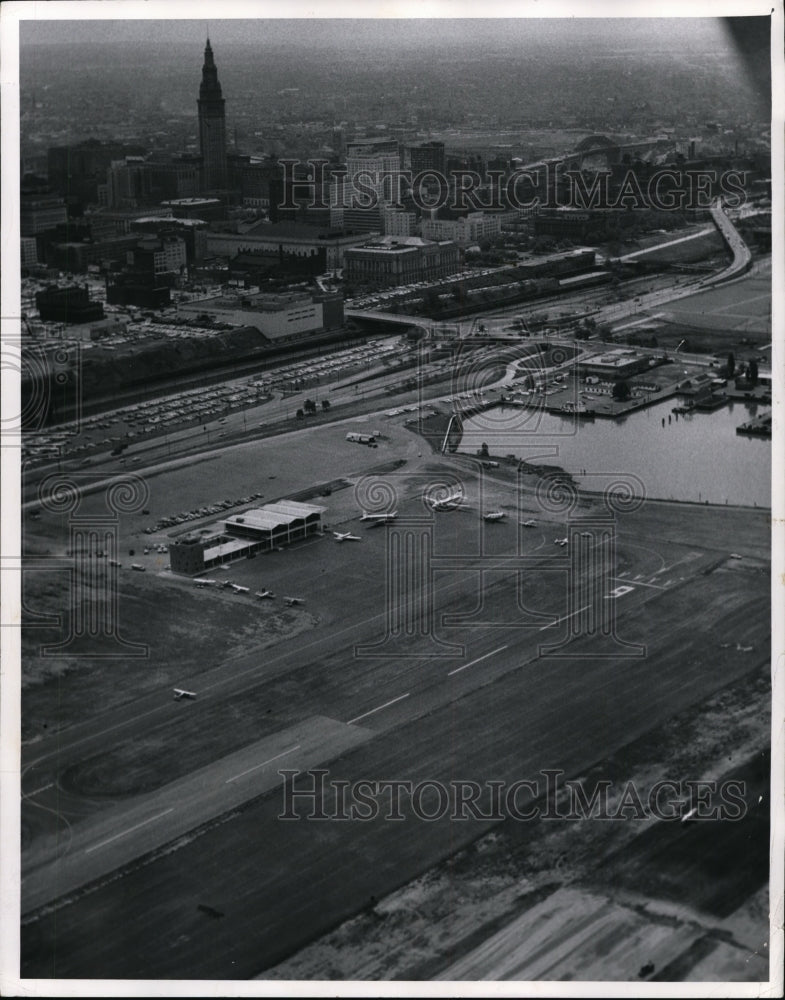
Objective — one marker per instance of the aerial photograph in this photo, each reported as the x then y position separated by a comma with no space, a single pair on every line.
394,462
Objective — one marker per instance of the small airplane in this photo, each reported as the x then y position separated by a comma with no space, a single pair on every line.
291,601
180,693
494,515
560,541
380,518
204,582
238,589
743,649
261,594
346,537
528,524
449,502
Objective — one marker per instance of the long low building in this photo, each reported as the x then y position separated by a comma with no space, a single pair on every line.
401,260
260,529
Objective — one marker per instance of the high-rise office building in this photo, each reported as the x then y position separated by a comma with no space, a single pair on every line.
427,156
212,125
371,171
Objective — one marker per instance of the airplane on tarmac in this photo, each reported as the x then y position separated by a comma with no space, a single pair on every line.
261,594
238,589
180,693
451,502
379,518
346,537
494,515
528,524
291,601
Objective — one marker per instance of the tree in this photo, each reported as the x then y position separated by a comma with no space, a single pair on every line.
752,372
300,415
309,406
731,364
621,391
483,450
325,404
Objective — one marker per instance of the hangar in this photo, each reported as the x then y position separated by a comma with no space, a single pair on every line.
259,529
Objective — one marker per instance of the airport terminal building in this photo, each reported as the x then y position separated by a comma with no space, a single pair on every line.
260,529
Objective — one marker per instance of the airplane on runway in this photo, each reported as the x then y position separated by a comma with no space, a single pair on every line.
261,594
346,537
528,524
451,502
494,515
379,518
291,601
180,693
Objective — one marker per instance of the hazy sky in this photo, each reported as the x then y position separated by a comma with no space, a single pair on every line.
602,33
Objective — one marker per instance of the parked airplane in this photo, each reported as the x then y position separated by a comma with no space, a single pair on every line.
560,541
182,693
494,515
204,582
346,537
261,594
528,524
449,502
238,589
291,601
380,518
743,649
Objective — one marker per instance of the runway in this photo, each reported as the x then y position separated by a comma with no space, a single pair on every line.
502,711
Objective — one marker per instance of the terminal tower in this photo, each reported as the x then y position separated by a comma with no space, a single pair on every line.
212,125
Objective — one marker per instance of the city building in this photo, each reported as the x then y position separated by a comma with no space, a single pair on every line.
400,261
279,317
29,251
40,209
286,237
371,171
615,364
465,231
400,222
212,126
428,156
204,209
67,305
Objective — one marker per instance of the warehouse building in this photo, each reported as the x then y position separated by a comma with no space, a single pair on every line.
260,529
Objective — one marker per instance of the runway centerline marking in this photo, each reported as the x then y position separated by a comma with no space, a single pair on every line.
478,660
564,619
129,830
268,761
380,707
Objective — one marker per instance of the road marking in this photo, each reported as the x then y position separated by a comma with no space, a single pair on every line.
564,619
373,710
129,830
257,766
641,583
39,790
459,669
